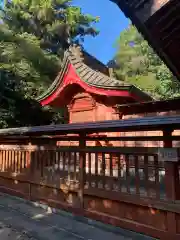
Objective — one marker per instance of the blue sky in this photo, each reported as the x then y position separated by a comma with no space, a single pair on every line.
112,22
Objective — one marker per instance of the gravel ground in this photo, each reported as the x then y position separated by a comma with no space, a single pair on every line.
7,232
20,220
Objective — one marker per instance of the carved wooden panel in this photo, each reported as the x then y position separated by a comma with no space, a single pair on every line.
82,116
82,102
81,108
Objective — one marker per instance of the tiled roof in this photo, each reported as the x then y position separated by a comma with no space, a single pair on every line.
89,70
88,74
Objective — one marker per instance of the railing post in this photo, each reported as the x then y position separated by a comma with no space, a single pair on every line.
82,159
171,183
29,165
171,170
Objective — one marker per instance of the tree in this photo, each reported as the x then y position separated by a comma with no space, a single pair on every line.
22,58
29,59
140,65
54,22
18,110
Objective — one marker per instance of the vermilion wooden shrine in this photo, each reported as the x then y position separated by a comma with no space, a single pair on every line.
85,86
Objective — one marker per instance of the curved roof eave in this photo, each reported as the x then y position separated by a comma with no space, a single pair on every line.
89,76
57,82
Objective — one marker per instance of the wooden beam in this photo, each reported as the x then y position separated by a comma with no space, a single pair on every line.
137,124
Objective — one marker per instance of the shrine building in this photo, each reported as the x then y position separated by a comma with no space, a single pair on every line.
85,86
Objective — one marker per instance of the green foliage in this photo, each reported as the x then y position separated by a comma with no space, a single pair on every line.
22,57
33,37
18,110
53,22
138,64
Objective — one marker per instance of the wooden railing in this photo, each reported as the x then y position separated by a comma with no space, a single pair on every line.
132,187
131,171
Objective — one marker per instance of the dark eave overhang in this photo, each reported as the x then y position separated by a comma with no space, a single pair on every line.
151,18
151,106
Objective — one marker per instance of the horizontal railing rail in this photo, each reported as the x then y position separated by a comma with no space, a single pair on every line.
50,138
128,150
137,124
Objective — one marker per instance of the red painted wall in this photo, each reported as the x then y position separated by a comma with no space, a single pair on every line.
85,107
82,108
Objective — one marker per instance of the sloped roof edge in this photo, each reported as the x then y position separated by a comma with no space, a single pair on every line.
92,77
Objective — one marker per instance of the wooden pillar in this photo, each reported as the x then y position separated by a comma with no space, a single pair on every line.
82,159
171,183
29,166
29,160
171,171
